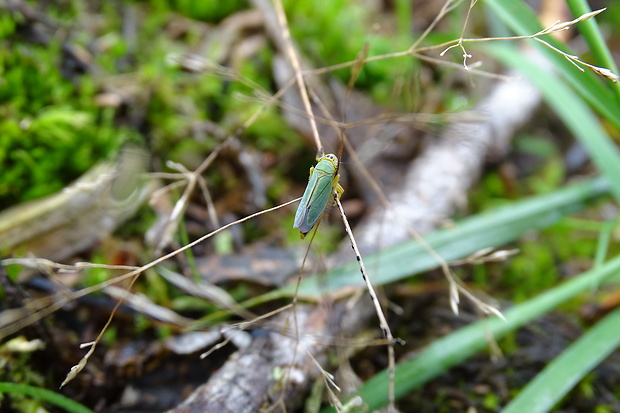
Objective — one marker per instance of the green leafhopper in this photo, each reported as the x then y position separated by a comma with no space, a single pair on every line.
323,181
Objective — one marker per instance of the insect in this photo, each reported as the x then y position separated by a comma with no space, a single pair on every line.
323,181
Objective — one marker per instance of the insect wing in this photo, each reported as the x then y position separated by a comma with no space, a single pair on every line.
301,216
316,196
319,198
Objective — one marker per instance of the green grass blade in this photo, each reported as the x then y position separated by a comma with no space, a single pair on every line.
45,396
488,229
604,238
453,349
592,34
404,15
565,371
523,21
571,108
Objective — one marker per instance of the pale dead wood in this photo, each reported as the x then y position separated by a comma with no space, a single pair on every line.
249,381
76,218
436,184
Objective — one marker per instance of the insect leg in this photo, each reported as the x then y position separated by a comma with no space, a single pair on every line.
337,187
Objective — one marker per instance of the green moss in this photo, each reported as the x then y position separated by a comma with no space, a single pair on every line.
329,36
16,367
208,10
51,130
491,401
